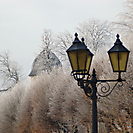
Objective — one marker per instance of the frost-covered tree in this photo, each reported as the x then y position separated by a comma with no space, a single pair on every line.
125,18
10,71
63,41
97,33
46,60
47,39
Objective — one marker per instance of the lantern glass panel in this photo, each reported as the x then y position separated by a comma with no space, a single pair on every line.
119,61
123,60
88,63
73,59
82,56
78,60
114,60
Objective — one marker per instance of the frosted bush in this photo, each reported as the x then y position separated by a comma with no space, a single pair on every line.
50,103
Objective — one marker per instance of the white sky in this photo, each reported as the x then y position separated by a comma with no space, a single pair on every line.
22,22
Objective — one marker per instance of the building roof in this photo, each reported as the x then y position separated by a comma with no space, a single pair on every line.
45,61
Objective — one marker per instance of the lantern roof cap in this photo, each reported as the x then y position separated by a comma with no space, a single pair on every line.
118,47
77,45
118,41
76,40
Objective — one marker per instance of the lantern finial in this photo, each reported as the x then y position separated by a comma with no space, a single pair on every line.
76,35
82,39
117,36
118,41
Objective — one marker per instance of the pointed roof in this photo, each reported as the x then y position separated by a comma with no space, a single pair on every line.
45,61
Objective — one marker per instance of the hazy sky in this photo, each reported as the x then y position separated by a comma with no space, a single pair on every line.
22,22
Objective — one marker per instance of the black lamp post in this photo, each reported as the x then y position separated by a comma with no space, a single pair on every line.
80,59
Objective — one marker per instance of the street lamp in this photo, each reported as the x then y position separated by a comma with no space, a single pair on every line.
80,59
118,55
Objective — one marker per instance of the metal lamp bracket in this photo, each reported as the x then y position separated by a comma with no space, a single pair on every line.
103,88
